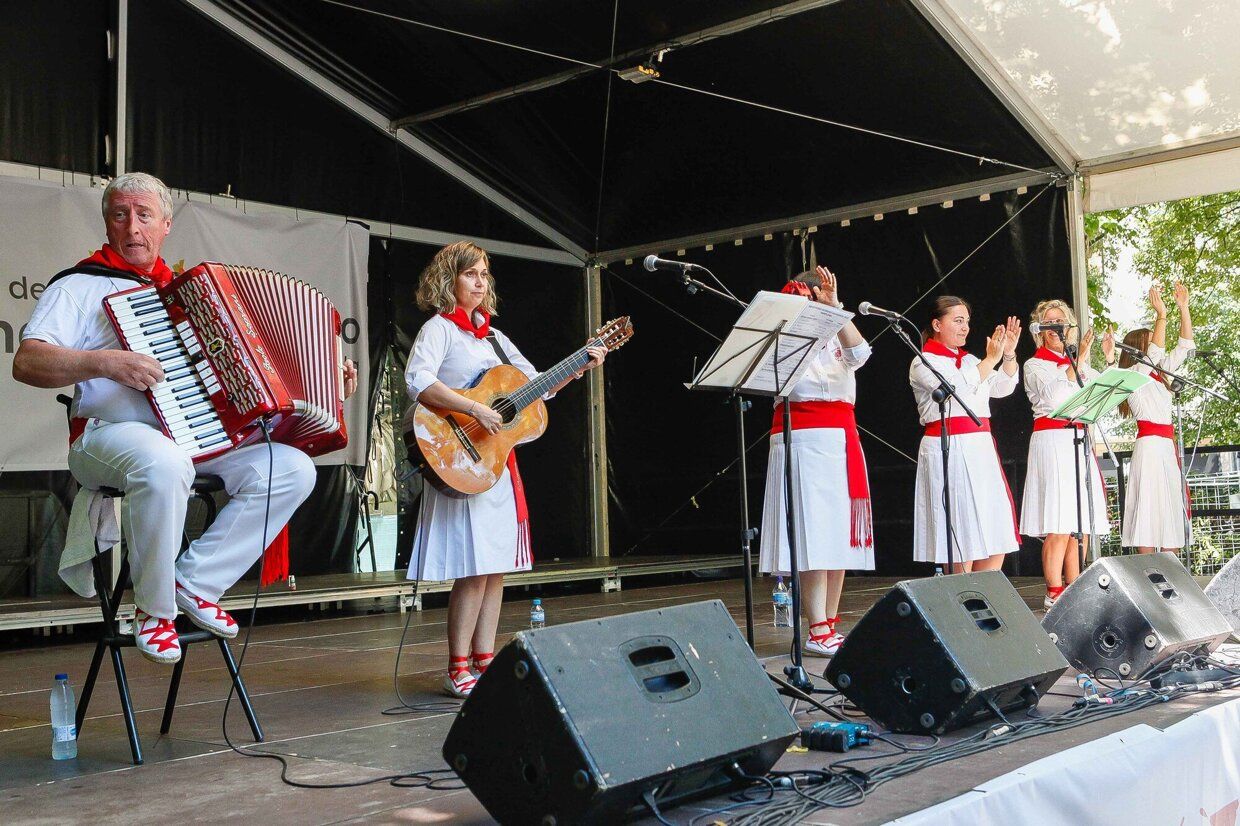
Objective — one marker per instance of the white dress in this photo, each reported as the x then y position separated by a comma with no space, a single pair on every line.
822,507
471,535
1154,508
983,513
1048,504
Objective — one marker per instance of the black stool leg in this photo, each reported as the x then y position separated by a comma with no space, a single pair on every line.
89,686
122,685
242,695
173,687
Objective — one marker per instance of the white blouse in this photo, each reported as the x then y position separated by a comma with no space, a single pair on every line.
1153,402
1047,385
975,392
831,375
444,352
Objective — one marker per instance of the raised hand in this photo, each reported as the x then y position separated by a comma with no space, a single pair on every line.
1181,295
1156,301
1087,341
1108,345
995,343
1011,336
829,292
136,370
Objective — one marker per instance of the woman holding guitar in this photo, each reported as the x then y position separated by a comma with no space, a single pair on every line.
473,539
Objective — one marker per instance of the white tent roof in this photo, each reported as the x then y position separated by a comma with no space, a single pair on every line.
1112,85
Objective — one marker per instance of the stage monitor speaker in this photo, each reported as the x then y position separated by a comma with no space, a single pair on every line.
938,653
1125,615
577,723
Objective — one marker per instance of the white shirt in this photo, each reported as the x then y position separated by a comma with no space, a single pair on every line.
1153,402
444,352
973,391
831,376
70,314
1047,385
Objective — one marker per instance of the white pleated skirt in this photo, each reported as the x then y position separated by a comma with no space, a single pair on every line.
466,536
983,515
821,506
1154,509
1048,504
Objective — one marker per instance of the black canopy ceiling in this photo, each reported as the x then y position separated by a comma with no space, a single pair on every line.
676,162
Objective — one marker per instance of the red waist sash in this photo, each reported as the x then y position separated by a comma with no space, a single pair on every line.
957,426
1145,428
806,415
1047,423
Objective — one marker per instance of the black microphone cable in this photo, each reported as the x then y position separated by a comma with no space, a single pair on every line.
436,778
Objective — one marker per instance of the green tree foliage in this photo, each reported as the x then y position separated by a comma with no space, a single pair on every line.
1196,241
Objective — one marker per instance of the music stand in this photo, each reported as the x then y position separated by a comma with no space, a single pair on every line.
1096,398
766,353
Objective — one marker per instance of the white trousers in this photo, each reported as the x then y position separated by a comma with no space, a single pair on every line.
156,476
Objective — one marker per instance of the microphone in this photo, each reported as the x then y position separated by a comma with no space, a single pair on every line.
866,308
1054,327
1210,354
1131,350
654,262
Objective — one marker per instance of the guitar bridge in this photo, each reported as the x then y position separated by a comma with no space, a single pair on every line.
466,442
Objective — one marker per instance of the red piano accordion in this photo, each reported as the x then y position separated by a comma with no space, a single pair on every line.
238,346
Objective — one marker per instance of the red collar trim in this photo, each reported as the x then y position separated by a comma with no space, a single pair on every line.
938,348
1047,354
159,275
460,319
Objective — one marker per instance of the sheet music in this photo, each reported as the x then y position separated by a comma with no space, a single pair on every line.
807,327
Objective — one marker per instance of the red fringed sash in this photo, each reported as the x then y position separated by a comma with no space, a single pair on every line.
842,415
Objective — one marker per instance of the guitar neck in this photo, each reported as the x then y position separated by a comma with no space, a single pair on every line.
541,384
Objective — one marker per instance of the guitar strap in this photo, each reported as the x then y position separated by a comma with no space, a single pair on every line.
525,555
499,351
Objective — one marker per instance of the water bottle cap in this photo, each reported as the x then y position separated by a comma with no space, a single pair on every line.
538,602
62,676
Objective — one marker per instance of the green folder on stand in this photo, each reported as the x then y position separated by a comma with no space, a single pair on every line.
1100,395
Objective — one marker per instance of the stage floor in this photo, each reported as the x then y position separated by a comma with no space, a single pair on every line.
320,686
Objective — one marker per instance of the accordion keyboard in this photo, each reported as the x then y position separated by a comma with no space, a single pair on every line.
183,398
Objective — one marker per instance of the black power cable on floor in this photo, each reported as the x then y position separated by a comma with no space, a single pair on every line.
437,778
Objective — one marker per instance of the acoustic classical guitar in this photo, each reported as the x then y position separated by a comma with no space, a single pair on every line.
458,454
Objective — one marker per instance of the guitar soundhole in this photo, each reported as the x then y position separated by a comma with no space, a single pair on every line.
505,408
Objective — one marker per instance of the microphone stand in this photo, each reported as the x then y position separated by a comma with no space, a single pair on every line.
1208,359
740,405
1178,382
942,394
1081,447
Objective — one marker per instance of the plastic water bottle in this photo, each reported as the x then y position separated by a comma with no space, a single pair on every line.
938,570
781,604
64,712
538,617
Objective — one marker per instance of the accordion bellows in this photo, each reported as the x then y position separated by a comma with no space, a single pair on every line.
239,345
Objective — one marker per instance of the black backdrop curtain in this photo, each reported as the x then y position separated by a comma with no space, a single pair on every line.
665,443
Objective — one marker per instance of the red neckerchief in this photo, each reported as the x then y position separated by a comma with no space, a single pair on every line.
937,348
1047,354
461,319
159,275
